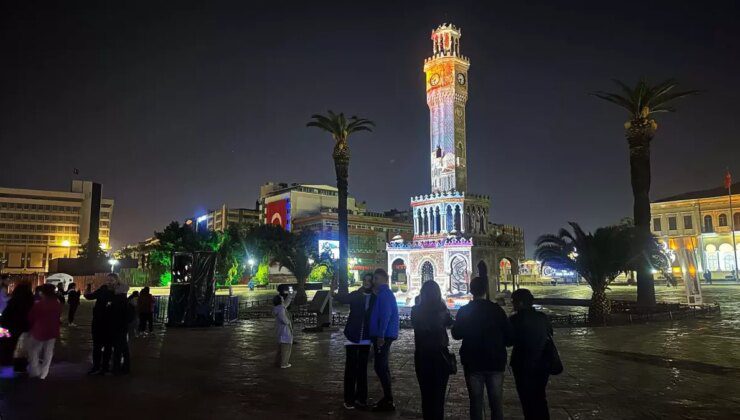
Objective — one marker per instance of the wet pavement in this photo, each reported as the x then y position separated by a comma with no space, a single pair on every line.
684,369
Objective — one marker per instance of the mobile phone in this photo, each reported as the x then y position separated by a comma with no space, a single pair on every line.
290,289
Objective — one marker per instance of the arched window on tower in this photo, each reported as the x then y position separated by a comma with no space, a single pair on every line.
450,221
419,222
458,218
437,222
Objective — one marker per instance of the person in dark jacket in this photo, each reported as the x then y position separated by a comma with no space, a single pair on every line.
101,334
120,315
430,319
485,332
531,329
357,347
60,292
384,325
73,300
15,320
145,310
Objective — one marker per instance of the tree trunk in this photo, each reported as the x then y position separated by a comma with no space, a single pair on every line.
639,134
600,307
300,296
341,166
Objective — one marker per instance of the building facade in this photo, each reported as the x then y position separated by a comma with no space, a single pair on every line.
37,226
223,217
696,230
368,234
453,237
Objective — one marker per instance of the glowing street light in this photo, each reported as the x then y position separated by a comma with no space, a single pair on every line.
112,263
310,261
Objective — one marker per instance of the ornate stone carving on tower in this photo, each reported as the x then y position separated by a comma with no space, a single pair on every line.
449,221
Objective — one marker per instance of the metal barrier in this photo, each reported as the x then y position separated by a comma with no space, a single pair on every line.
230,306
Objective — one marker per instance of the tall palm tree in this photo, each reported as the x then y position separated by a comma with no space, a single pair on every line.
598,257
340,129
642,103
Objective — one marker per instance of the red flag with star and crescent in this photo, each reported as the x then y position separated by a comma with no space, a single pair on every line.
728,179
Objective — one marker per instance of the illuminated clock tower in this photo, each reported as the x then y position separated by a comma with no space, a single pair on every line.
447,92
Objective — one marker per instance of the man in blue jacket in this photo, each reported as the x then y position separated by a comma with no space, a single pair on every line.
383,330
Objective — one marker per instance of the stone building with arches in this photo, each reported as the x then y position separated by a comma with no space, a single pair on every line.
698,230
454,239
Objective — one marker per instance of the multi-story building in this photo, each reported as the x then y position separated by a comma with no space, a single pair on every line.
37,226
314,207
696,229
218,220
368,234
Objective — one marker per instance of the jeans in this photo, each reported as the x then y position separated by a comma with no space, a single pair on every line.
146,319
531,389
121,351
102,349
382,354
39,367
72,310
433,374
355,373
282,357
494,384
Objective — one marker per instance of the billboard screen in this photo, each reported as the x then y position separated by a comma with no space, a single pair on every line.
330,247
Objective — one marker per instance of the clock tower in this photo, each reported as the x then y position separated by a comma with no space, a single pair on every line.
447,92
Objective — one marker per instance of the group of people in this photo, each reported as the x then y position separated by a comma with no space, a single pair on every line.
483,326
116,319
31,326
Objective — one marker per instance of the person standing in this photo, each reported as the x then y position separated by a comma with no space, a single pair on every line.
283,329
120,315
430,319
485,332
357,347
145,310
73,301
60,293
133,326
383,330
4,297
15,320
44,330
531,330
101,335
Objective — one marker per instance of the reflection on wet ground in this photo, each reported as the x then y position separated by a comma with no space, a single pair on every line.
682,369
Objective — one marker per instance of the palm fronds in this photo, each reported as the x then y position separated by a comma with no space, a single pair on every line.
644,100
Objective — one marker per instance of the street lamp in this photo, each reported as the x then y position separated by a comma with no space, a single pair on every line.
112,263
251,265
310,261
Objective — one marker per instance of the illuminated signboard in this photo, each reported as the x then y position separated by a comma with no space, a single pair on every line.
331,247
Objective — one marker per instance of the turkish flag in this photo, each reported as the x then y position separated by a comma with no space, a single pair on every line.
277,214
728,179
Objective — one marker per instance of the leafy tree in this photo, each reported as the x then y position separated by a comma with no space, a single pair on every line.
340,129
295,253
262,276
643,102
91,251
598,257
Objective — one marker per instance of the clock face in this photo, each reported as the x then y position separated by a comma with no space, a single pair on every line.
460,78
434,80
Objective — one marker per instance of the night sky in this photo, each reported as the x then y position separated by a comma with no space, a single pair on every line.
176,110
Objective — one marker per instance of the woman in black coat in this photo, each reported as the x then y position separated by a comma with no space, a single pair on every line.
15,320
431,318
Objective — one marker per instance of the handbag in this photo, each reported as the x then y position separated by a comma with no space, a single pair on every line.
552,357
450,360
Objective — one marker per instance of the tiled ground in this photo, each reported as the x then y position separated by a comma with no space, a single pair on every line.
687,369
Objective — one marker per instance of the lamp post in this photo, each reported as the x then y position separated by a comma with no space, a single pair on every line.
112,263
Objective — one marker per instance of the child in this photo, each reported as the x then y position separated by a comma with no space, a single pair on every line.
283,329
44,322
73,298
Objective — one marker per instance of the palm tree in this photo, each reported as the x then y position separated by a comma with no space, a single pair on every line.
598,257
340,129
642,102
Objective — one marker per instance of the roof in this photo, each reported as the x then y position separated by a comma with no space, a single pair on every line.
693,195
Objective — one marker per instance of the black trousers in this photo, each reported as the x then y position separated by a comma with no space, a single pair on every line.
121,355
146,319
531,389
382,354
102,349
355,373
72,311
433,375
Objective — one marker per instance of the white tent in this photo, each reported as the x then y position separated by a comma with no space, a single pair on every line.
57,278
